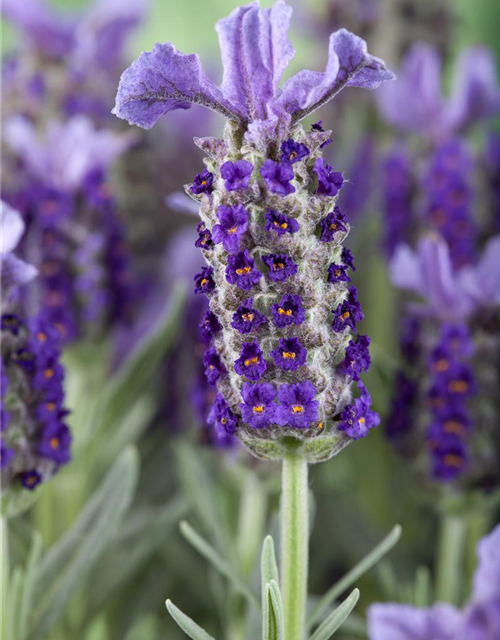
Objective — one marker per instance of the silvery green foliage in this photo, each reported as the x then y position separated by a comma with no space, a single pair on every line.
326,348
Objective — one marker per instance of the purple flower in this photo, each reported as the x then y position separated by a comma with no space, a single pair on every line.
203,183
24,358
348,258
290,354
280,223
204,240
297,408
293,152
280,266
221,416
12,323
358,418
357,358
14,272
255,53
251,363
213,365
210,326
329,181
334,222
348,313
203,281
287,311
318,126
415,103
236,175
397,186
277,176
233,224
49,374
30,479
477,621
247,319
338,273
241,271
258,409
56,443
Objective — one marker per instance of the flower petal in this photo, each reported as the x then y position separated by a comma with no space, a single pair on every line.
12,226
482,282
477,92
405,622
487,576
15,273
255,51
349,64
166,79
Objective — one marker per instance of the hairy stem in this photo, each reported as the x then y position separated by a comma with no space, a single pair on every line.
294,544
450,561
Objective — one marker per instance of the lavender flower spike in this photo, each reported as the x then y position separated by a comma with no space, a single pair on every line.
277,278
255,52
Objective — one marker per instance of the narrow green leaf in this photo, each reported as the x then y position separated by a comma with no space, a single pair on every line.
67,564
218,562
336,618
30,576
268,564
14,599
251,522
423,587
189,627
356,572
277,606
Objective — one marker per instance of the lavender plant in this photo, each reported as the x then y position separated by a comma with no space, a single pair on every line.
35,440
283,313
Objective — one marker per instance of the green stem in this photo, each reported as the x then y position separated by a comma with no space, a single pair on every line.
4,576
450,562
294,544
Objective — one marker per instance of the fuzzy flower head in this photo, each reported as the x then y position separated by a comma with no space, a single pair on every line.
278,278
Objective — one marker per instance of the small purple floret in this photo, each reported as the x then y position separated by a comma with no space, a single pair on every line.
210,326
290,354
258,409
280,223
236,175
203,183
333,223
233,222
251,363
280,266
348,313
357,358
241,271
357,418
204,240
247,319
203,281
278,176
289,310
222,417
338,273
348,258
213,365
293,152
297,408
329,181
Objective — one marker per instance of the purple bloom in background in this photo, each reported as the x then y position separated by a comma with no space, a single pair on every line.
348,313
288,311
56,443
233,224
251,363
281,267
236,175
348,258
30,479
478,620
210,326
293,152
247,319
221,416
204,240
290,354
358,418
280,223
241,271
203,183
298,409
277,176
329,181
415,103
15,272
338,273
357,357
397,200
203,281
333,223
358,189
12,323
258,409
213,365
